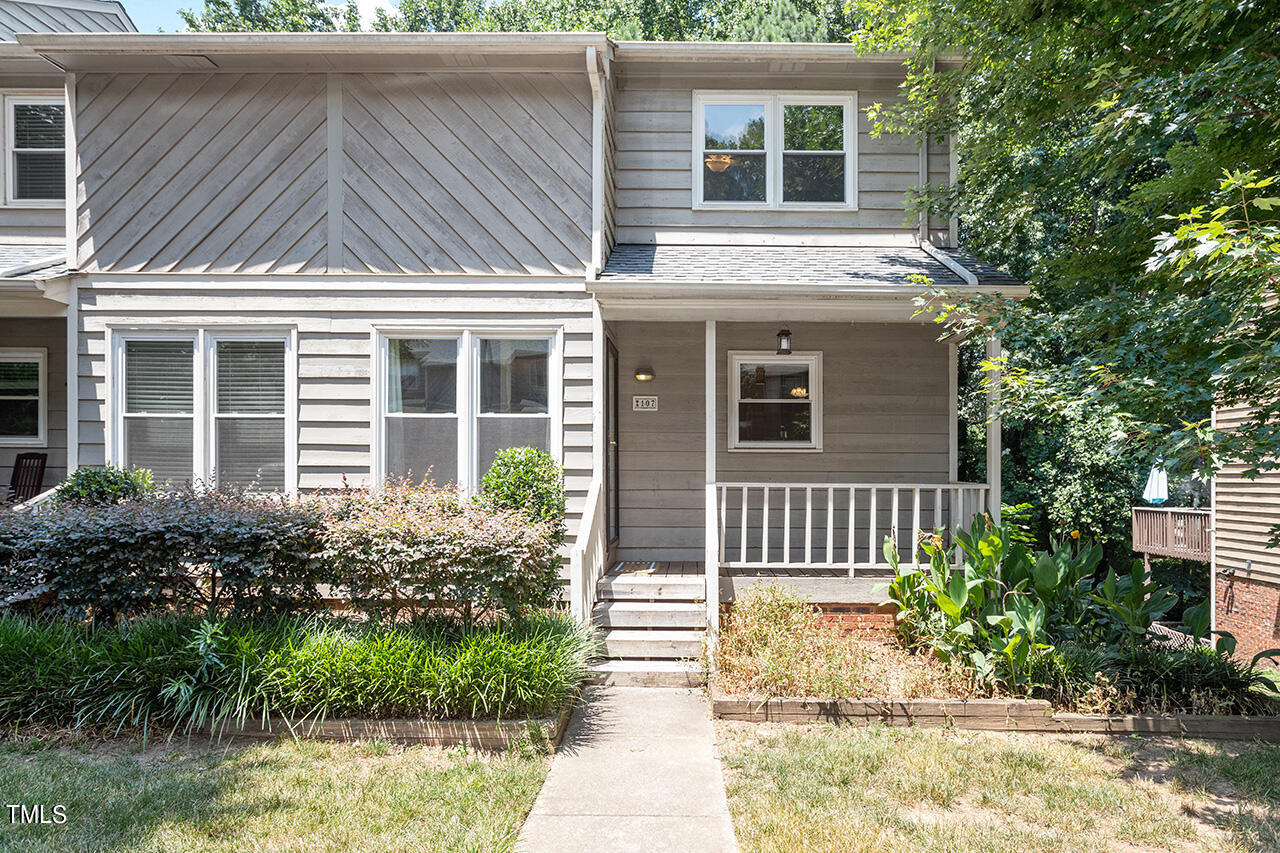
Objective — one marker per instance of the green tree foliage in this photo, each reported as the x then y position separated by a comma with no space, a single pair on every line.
283,16
1083,128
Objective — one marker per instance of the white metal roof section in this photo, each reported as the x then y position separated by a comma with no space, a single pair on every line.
62,16
854,268
318,51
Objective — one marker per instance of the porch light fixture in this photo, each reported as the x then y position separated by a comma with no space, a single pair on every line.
784,342
644,374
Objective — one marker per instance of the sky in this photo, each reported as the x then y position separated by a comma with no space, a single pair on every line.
156,16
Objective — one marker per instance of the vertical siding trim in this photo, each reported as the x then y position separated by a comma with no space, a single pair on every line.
923,227
953,393
72,399
594,77
72,173
1213,537
953,173
333,163
712,545
994,454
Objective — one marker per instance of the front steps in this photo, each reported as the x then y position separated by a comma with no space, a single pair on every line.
654,626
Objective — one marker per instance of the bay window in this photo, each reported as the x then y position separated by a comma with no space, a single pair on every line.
775,150
207,405
451,400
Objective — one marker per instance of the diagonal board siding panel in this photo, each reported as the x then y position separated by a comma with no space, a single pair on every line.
202,172
474,173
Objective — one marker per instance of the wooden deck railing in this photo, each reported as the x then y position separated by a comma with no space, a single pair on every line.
1173,532
836,525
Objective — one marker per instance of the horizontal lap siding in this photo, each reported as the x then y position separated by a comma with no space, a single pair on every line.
335,415
885,417
1245,513
654,174
51,334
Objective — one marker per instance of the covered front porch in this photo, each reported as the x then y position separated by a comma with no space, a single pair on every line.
729,462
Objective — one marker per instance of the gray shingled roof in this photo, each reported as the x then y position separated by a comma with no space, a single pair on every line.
21,254
785,265
50,16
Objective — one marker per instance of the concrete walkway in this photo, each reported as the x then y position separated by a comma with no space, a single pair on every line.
637,772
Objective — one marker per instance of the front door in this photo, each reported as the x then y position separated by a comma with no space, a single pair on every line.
612,518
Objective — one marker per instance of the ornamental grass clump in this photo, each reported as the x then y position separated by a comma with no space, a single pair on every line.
774,643
182,674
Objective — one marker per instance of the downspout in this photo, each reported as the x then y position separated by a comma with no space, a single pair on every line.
72,400
596,80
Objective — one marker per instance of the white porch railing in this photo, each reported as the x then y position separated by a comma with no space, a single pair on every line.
588,554
38,503
837,525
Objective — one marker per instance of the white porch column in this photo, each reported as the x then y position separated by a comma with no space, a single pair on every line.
712,533
994,444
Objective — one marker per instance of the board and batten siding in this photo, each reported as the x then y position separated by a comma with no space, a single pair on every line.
655,177
885,407
335,360
51,335
424,173
1245,511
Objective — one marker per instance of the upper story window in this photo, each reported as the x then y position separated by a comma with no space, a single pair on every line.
776,150
35,150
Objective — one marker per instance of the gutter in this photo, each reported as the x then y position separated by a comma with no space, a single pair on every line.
633,288
307,43
951,263
32,266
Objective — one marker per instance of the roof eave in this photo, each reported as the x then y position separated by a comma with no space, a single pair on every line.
87,44
648,288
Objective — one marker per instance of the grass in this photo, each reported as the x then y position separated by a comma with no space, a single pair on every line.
285,796
823,788
774,643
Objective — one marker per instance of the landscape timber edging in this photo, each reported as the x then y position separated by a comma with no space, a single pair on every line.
1013,715
477,734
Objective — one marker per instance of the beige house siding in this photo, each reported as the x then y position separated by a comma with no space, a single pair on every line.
1245,511
238,173
335,360
885,404
51,334
655,195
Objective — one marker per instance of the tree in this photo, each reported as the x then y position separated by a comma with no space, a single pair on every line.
1082,129
285,16
781,20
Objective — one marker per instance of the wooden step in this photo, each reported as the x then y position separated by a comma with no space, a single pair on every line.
647,673
633,586
650,614
622,643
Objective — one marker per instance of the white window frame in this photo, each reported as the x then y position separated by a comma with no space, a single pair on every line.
774,102
468,389
203,398
814,362
7,171
40,355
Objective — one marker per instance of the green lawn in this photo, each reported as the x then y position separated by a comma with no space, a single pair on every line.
890,789
307,796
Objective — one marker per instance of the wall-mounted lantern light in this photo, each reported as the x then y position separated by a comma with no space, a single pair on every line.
784,342
644,374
